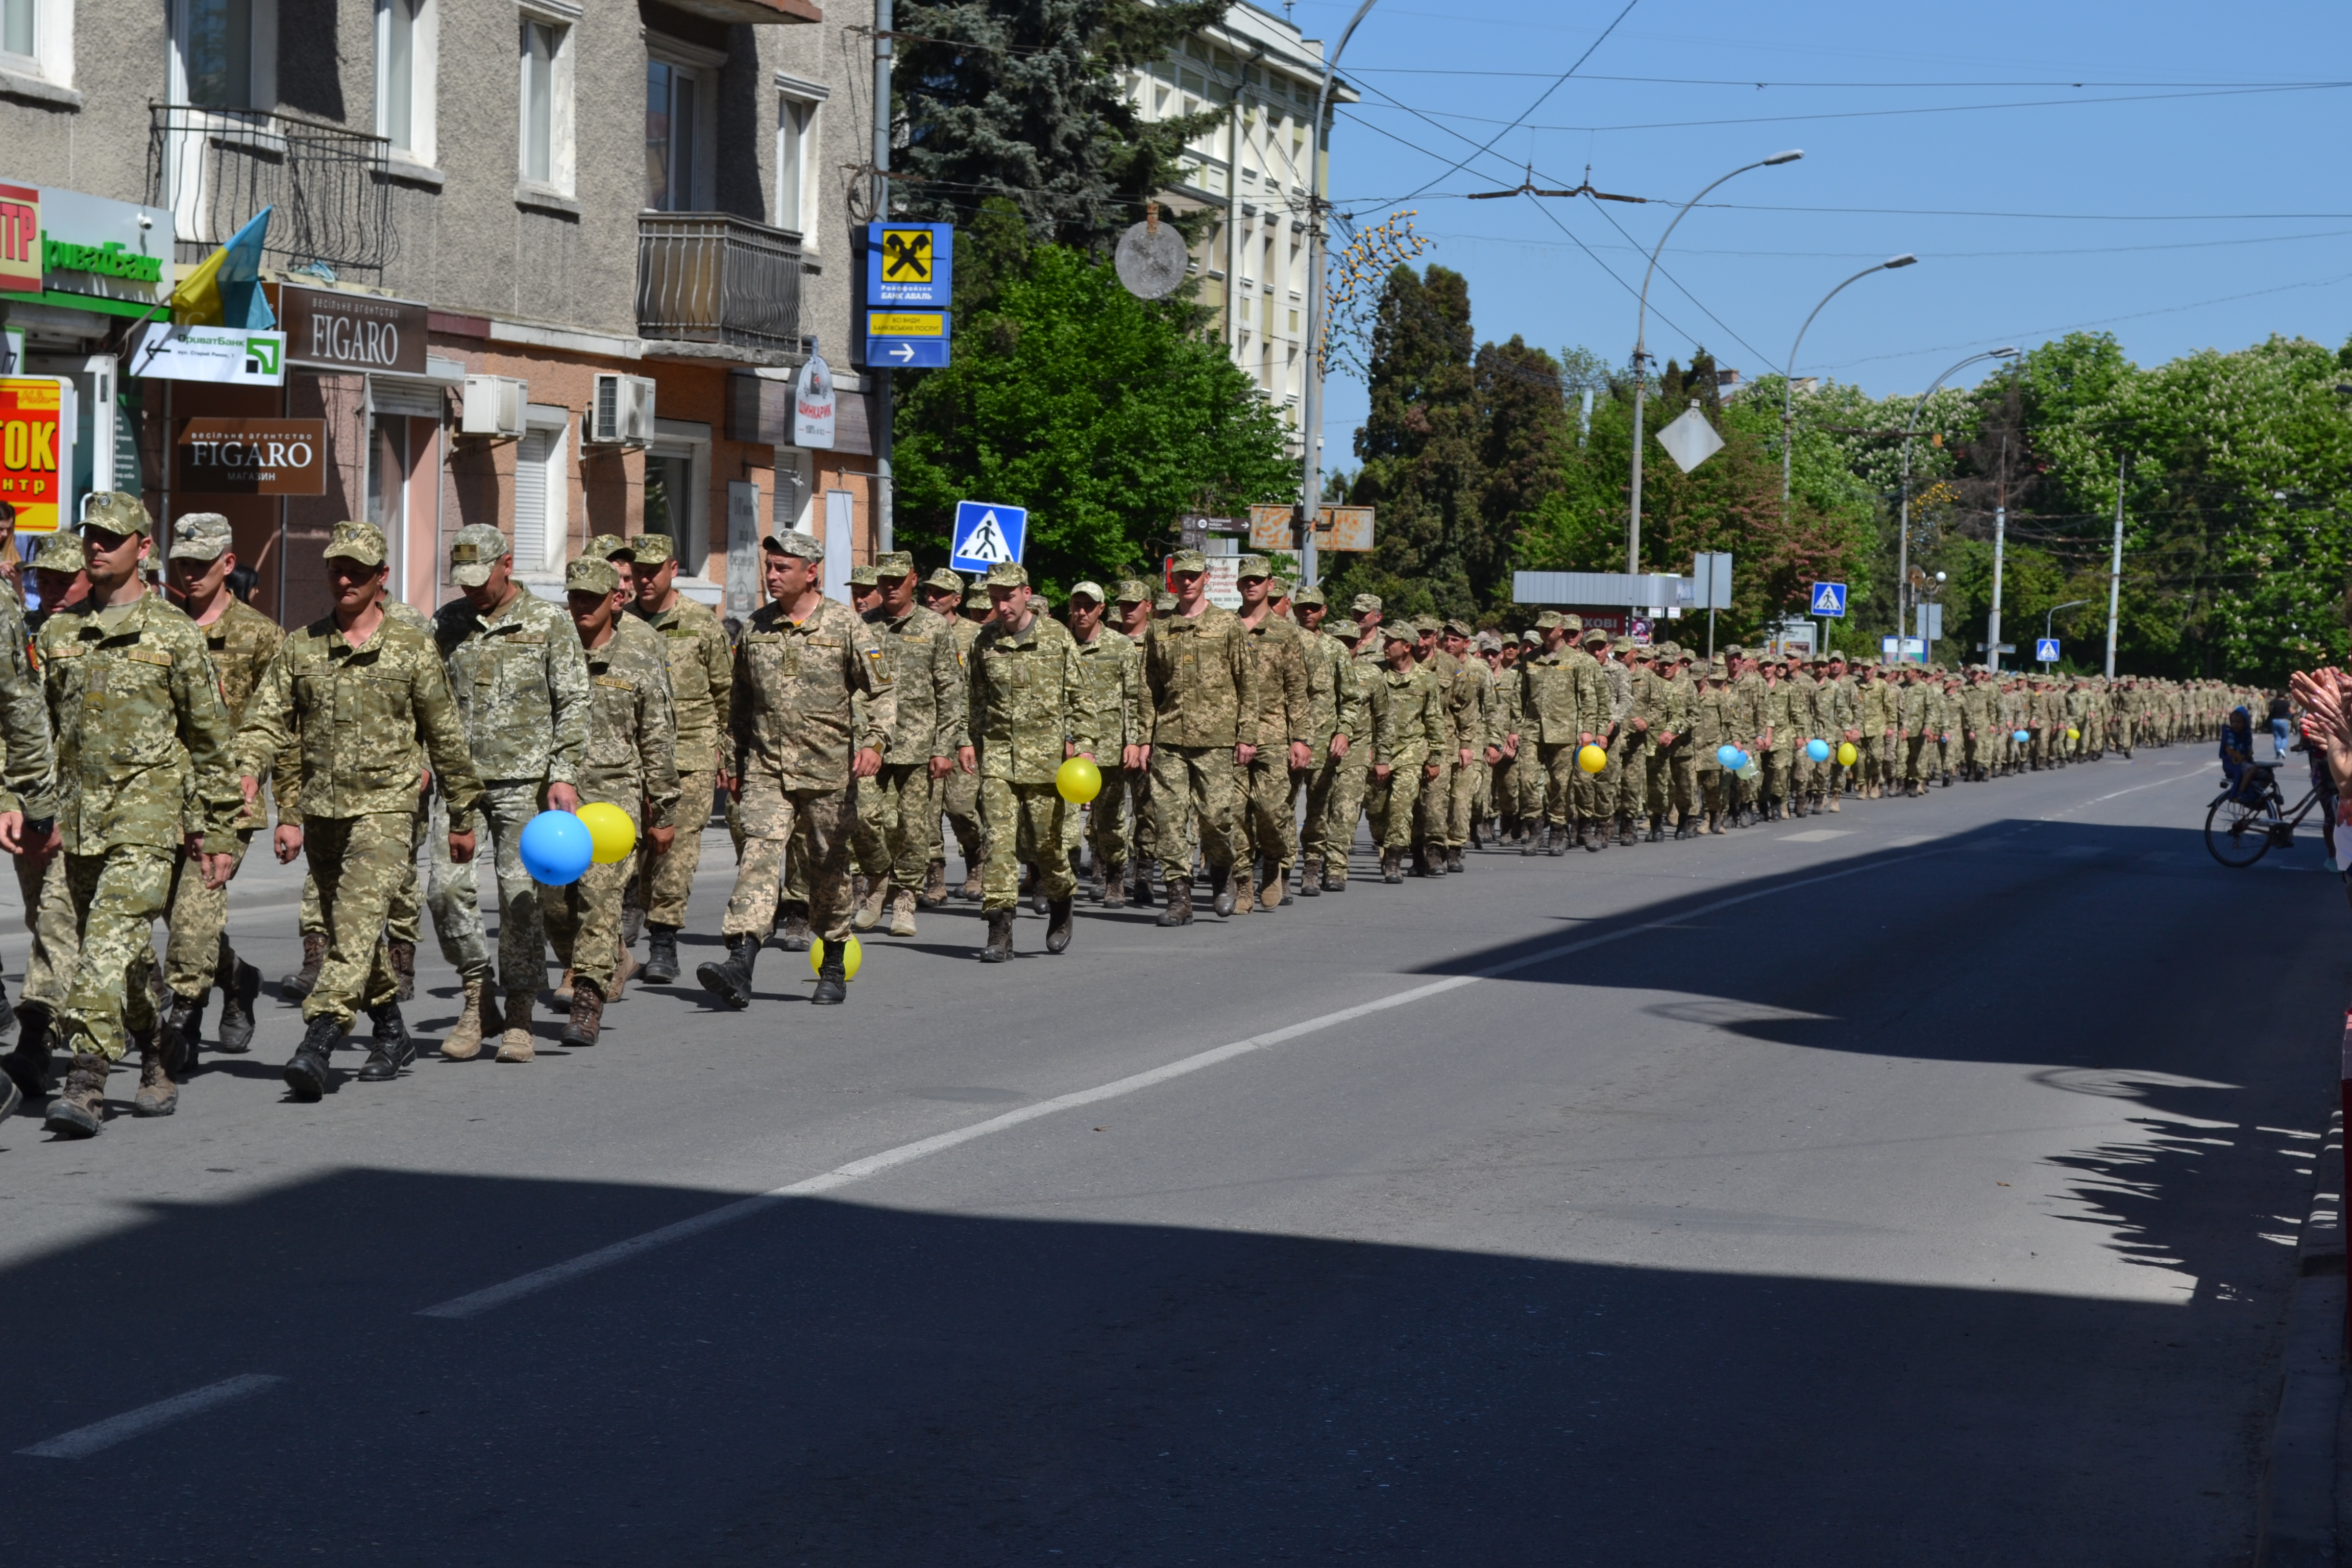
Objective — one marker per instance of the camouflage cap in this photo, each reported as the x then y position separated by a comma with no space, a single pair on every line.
1253,566
1008,575
1188,561
610,547
60,551
864,575
1309,594
360,542
977,599
1620,644
1595,635
794,542
652,549
591,574
895,563
119,512
1533,639
1668,649
1134,591
1718,666
201,536
946,580
1489,643
1455,628
1364,604
1545,620
1161,603
472,553
1278,588
1573,623
1732,650
1396,631
1091,590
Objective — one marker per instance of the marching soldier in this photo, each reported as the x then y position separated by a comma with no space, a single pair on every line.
701,673
1335,709
1201,680
1266,844
1352,776
898,808
1409,709
1113,669
1555,689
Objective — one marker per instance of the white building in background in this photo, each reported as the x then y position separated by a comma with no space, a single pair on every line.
1252,172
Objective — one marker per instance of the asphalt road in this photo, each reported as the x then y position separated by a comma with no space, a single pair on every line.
1917,1185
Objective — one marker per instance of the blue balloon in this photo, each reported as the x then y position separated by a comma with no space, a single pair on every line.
2024,737
556,848
1818,751
1732,758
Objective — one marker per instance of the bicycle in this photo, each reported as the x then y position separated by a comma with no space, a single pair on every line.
2245,823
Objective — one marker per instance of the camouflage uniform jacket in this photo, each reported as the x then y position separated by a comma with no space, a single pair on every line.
793,685
27,777
1284,711
1469,703
1502,718
358,716
1617,686
1331,687
242,641
1201,680
1708,727
1872,710
1416,715
139,729
1744,710
520,686
1781,714
701,673
926,672
1113,668
1803,708
1552,699
1029,699
632,727
1911,709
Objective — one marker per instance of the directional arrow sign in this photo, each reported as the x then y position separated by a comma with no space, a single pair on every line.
907,340
987,532
1829,599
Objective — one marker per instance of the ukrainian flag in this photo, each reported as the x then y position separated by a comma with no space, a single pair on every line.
224,290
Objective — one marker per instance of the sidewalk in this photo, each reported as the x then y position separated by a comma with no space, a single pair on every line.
2304,1485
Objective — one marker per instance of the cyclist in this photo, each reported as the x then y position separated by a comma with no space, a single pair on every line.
2238,756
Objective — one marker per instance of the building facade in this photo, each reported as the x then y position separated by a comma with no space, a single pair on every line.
550,266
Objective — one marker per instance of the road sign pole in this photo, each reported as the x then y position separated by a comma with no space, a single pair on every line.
1992,622
884,530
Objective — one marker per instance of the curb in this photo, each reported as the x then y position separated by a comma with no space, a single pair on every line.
2298,1522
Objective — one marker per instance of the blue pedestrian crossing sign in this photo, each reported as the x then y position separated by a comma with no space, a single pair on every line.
987,532
1829,599
2045,650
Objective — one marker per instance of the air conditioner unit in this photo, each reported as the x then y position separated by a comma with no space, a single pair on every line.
494,406
621,413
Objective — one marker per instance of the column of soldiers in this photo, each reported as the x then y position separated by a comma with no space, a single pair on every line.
148,743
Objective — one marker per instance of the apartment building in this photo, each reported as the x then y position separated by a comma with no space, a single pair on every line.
541,263
1252,171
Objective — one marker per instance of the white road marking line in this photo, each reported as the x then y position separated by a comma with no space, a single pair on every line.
2132,789
1905,843
477,1302
83,1441
1815,835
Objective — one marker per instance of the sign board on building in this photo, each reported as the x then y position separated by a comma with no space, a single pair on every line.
250,456
336,331
1616,620
1336,526
116,251
910,265
20,238
907,340
36,432
1710,580
230,356
815,408
987,532
1911,650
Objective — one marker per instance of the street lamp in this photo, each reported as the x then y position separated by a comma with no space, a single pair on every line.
1310,400
1789,377
1902,533
2046,615
1642,351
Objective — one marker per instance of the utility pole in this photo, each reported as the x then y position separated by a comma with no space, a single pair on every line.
2115,564
2000,534
883,498
1310,398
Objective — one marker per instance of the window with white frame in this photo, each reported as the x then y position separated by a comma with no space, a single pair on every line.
407,52
796,165
678,486
18,35
546,82
673,115
224,52
37,40
542,492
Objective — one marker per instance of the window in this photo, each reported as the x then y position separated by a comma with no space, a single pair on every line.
16,27
541,43
215,52
669,505
541,493
387,489
671,120
407,40
796,143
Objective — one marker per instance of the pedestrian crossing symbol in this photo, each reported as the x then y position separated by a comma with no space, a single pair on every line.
986,534
2045,650
1829,599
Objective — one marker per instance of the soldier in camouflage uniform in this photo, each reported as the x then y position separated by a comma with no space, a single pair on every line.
898,808
1551,700
1710,730
354,692
1031,711
1202,685
1352,776
1410,712
521,688
141,744
1266,841
1113,668
797,747
1335,717
1469,691
27,830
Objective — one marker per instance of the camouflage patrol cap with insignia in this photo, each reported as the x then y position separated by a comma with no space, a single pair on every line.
1162,603
1533,639
651,549
1008,575
895,563
1397,631
1546,619
1596,635
864,575
1309,594
117,512
1253,566
794,542
1278,588
1620,644
1188,561
1455,628
610,547
1134,591
360,542
977,599
945,581
479,545
591,574
60,551
1089,590
201,536
1364,604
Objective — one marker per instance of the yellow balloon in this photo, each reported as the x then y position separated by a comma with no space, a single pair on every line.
1591,759
609,830
1846,754
1079,780
853,958
2074,734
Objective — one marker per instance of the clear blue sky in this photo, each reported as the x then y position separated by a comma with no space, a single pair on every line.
2208,217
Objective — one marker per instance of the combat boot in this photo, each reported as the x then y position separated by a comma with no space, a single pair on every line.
1834,801
1535,843
465,1041
158,1095
869,908
731,981
1274,887
969,892
560,999
661,955
1454,861
1335,879
1220,889
389,1047
79,1108
792,934
999,949
1141,892
633,918
515,1041
1242,880
902,912
310,1074
935,886
27,1066
1392,867
177,1034
404,968
1658,828
1310,880
832,977
1178,905
1556,838
238,994
1114,886
297,985
587,1019
1058,925
623,973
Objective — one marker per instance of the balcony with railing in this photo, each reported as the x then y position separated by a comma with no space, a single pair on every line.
214,168
717,279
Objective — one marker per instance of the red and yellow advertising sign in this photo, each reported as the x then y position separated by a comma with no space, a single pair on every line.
35,463
20,238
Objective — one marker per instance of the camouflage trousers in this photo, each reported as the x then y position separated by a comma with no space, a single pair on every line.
1669,780
897,818
768,815
1433,815
664,882
112,902
1025,824
46,974
1264,829
1110,819
198,945
454,893
1462,798
1394,803
960,803
1350,780
1555,764
406,922
583,917
1712,798
1319,843
360,864
1193,786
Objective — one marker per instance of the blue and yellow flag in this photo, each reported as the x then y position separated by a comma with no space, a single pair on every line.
224,290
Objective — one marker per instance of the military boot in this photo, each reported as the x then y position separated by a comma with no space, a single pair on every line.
177,1034
792,934
1177,908
515,1040
308,1074
1556,837
633,918
465,1038
1220,889
27,1066
902,912
1114,885
731,981
1274,886
1141,892
404,968
158,1095
623,973
587,1019
1392,867
869,908
1454,860
1335,878
1657,834
1243,882
1310,880
832,977
390,1047
238,992
297,985
1834,801
999,948
1058,925
661,955
560,999
969,892
79,1108
1536,843
935,886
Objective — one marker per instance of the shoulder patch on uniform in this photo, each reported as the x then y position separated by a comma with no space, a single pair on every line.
616,683
151,656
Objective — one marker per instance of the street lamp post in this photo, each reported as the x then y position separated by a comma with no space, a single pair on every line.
1903,531
1789,377
2047,613
1310,400
1641,352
